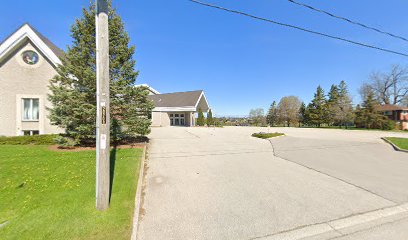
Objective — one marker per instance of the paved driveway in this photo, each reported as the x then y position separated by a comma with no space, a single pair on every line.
205,183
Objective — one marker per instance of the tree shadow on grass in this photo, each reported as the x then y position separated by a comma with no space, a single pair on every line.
112,157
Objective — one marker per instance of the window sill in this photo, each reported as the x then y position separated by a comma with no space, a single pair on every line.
30,120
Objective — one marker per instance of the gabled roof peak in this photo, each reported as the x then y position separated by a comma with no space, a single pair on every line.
49,49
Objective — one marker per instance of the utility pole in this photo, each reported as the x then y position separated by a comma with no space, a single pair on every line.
103,108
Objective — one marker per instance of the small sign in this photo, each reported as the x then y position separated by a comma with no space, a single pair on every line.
103,115
103,141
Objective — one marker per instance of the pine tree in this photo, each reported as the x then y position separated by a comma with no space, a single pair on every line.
200,119
73,90
272,116
317,109
210,120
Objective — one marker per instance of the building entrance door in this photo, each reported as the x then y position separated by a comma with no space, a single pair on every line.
177,119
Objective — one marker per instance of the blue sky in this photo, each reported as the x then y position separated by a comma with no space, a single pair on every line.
240,63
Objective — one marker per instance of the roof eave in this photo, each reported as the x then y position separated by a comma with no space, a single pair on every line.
27,32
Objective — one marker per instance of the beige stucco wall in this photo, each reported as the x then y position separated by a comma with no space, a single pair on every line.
160,119
20,80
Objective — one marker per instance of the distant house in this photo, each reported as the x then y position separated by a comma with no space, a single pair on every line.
396,113
28,60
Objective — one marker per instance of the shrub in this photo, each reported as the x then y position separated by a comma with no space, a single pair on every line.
66,142
201,118
27,140
267,135
388,125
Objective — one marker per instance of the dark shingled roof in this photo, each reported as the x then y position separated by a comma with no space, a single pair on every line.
178,99
57,51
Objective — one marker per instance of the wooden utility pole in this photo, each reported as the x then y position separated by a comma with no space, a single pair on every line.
102,115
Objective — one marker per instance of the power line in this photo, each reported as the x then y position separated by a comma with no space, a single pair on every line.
349,20
300,28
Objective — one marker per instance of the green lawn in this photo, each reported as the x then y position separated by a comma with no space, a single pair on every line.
51,195
267,135
400,142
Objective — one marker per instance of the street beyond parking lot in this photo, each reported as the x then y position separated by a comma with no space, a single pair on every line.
221,183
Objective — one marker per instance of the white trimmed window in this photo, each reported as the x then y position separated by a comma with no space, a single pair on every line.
177,119
31,109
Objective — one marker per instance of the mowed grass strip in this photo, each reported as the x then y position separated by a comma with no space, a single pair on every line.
267,135
400,142
46,194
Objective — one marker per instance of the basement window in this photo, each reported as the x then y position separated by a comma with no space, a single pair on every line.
31,132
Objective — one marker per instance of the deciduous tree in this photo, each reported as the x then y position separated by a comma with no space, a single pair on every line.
289,110
390,87
257,116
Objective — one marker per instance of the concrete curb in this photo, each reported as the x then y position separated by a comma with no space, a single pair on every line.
394,146
138,197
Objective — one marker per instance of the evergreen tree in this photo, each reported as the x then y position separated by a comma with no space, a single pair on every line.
333,107
272,116
317,109
210,120
200,119
344,115
358,120
302,114
369,117
73,90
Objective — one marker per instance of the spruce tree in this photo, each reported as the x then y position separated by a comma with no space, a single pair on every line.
73,90
317,109
200,119
358,117
302,114
370,117
272,116
333,107
210,120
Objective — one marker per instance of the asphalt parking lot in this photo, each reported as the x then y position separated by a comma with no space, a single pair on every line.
221,183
